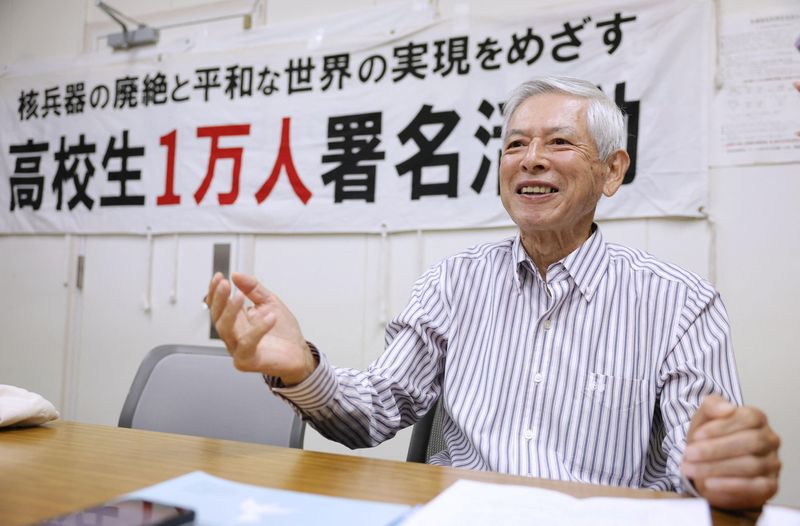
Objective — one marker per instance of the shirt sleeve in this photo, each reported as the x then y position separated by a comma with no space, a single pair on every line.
700,362
364,408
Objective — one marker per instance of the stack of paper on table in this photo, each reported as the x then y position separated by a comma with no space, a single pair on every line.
479,503
219,502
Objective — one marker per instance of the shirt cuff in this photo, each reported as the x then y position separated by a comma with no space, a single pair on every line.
316,391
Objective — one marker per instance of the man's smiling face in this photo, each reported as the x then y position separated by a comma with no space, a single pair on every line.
550,175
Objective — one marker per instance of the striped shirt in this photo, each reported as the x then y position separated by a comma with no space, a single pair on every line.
592,375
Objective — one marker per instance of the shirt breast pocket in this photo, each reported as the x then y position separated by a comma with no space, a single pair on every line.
612,418
615,392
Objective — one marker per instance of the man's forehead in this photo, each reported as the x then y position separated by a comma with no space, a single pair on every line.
550,112
570,130
549,103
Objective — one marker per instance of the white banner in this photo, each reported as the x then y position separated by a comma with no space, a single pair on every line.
385,119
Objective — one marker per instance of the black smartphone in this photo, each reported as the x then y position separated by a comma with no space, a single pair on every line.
132,512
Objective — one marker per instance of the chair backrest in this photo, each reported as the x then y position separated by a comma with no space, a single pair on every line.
196,390
426,437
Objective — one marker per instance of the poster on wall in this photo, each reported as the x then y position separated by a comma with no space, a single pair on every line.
387,119
756,111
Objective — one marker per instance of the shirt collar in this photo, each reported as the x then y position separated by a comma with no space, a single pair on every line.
522,262
587,264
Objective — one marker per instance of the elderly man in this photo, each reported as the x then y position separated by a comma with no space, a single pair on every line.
556,354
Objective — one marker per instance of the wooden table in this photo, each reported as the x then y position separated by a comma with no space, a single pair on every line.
65,466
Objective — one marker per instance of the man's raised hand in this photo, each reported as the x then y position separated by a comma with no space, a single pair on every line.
266,337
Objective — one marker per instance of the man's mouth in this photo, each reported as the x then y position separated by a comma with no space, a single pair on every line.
536,190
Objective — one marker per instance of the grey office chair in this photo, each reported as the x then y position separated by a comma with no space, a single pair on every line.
196,390
426,437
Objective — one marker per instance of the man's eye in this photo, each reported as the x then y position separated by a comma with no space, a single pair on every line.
514,144
559,141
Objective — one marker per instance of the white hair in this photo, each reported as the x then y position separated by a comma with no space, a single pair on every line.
604,119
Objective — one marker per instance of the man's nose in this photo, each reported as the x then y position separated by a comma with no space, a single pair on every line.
535,159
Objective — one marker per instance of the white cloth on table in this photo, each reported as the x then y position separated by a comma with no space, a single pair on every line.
20,407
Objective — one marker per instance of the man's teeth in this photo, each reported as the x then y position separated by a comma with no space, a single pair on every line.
537,190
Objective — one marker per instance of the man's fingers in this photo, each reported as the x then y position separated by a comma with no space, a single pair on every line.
744,466
212,287
250,287
713,407
748,442
740,419
231,322
219,299
226,312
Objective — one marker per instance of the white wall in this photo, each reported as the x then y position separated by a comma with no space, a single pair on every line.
81,348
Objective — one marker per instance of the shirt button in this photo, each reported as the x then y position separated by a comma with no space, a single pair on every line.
538,378
528,434
547,325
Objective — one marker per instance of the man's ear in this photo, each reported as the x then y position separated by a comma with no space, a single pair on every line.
617,165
